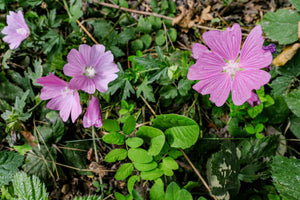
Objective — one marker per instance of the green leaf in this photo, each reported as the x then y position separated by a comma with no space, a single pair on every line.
160,37
88,198
285,175
152,175
9,91
101,28
147,40
181,132
124,171
114,138
296,4
116,51
155,22
53,43
29,187
145,166
183,194
173,34
171,191
38,72
184,86
116,154
146,89
134,142
139,155
281,85
278,112
156,137
250,129
144,26
168,165
111,125
129,125
157,190
137,45
131,181
259,128
295,127
256,110
126,35
77,158
22,149
9,163
293,101
35,162
168,92
291,68
119,196
274,22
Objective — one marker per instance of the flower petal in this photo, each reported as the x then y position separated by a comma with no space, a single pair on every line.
226,44
76,64
253,56
217,86
83,83
93,117
101,82
245,81
76,107
198,49
96,54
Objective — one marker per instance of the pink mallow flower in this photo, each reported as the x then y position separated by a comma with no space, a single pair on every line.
225,68
91,68
92,116
16,30
63,97
254,100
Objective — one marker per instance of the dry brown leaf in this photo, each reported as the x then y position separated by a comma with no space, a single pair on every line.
205,15
286,55
98,169
29,137
184,19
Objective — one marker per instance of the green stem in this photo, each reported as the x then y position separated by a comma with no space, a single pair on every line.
94,142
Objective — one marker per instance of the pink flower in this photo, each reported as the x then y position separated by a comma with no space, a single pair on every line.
254,100
225,68
16,29
63,97
92,116
91,68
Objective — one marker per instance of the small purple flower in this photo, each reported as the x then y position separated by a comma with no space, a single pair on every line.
91,68
92,116
271,47
16,30
225,68
254,100
63,97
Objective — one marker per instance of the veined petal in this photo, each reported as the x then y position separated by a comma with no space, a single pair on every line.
245,81
208,64
101,82
76,64
217,86
93,117
105,59
226,44
198,49
76,107
96,54
253,56
66,106
83,83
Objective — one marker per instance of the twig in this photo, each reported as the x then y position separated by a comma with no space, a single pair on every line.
94,142
198,174
148,105
86,31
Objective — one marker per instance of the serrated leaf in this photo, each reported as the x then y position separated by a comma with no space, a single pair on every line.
143,25
29,187
274,22
181,132
9,91
173,34
129,125
168,92
171,191
9,163
146,89
101,28
114,138
184,86
35,162
139,155
38,72
147,40
155,22
134,142
145,166
278,112
116,154
131,181
153,135
286,179
168,165
88,198
157,190
152,175
124,171
116,51
126,35
293,101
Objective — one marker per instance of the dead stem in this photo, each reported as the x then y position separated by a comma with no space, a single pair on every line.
198,174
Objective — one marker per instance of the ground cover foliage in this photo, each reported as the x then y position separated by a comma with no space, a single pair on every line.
160,139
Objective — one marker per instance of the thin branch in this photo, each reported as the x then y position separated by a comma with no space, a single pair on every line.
86,31
198,174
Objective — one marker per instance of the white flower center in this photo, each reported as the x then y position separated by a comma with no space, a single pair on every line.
66,92
90,72
22,31
231,68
